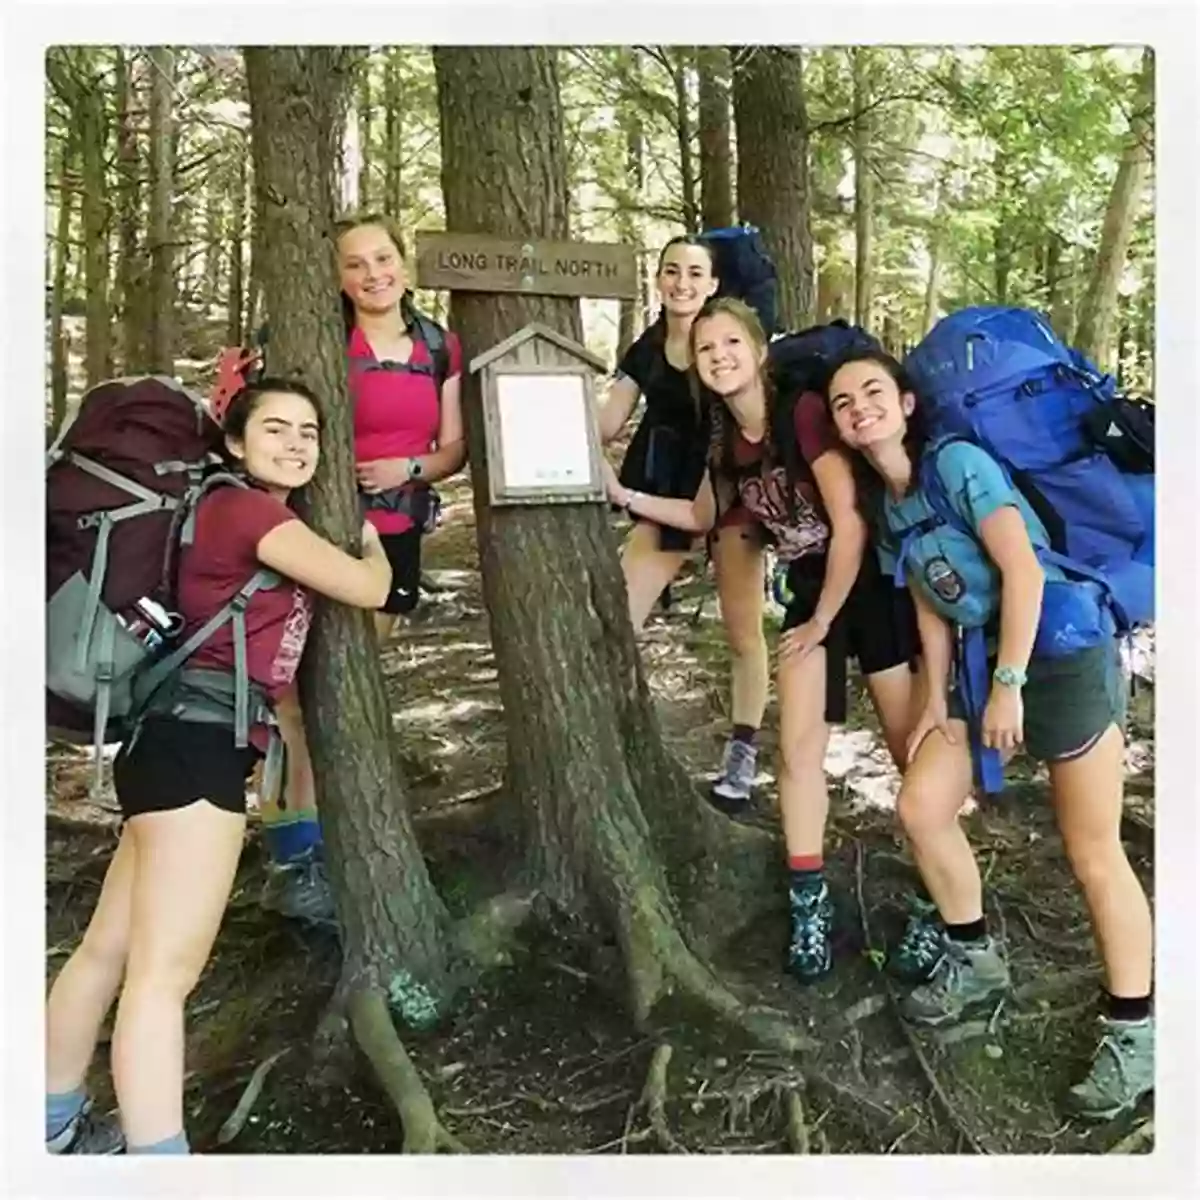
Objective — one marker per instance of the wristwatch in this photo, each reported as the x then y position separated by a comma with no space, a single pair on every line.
1009,677
414,468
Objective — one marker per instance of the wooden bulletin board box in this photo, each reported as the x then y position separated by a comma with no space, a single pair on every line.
543,444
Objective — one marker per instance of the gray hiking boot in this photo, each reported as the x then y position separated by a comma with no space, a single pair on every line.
969,977
300,890
734,786
1122,1071
810,951
87,1133
921,950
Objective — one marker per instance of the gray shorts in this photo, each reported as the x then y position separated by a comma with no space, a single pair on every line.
1069,702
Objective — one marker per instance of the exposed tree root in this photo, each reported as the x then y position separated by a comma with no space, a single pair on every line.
653,1102
486,935
374,1031
797,1126
660,962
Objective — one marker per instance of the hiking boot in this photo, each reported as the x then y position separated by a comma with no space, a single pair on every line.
810,952
922,948
969,976
732,789
1122,1071
86,1133
300,890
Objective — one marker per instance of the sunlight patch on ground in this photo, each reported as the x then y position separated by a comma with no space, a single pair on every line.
434,712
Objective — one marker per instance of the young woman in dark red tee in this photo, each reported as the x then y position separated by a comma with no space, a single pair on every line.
798,485
408,435
182,786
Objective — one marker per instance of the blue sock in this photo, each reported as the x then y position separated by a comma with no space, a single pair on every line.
290,840
62,1109
172,1145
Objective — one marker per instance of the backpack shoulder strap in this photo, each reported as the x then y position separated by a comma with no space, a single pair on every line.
151,679
434,337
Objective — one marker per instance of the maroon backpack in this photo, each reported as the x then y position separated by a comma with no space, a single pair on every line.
122,485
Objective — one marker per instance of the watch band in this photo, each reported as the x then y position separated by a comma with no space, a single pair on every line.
1009,676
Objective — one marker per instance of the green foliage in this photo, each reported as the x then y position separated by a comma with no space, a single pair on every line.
1003,155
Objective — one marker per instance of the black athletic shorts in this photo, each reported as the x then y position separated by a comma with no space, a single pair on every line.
174,763
877,624
404,553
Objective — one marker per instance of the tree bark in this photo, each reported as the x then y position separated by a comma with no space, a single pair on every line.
62,255
394,137
130,301
716,158
237,252
93,141
162,289
617,834
681,61
365,120
395,929
864,192
1097,316
772,169
631,313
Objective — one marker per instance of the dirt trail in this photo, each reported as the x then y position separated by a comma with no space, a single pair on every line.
541,1059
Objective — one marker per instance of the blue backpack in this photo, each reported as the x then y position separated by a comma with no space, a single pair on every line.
1082,456
746,270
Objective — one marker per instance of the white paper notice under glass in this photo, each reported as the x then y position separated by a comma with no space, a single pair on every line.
544,430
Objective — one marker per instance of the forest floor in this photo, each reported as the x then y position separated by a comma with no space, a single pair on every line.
538,1059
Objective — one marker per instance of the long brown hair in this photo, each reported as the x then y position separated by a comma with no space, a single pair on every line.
868,484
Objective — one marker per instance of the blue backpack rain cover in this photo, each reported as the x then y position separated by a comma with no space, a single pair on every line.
1082,456
745,270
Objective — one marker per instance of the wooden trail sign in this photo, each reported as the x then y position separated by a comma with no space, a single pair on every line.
475,262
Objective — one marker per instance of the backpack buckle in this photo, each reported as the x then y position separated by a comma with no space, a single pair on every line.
89,520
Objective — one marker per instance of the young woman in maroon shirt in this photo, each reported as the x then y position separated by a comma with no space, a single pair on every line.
182,786
795,481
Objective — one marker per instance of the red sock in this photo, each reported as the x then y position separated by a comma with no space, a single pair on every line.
805,862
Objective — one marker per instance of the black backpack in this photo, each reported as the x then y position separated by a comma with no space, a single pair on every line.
746,271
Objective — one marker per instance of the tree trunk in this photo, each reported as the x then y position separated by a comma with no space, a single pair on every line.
716,158
365,120
130,301
62,254
1053,278
1097,315
617,833
237,253
93,141
864,192
772,170
395,929
681,61
632,312
162,289
394,137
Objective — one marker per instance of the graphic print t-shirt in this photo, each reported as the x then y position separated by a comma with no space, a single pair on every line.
763,492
